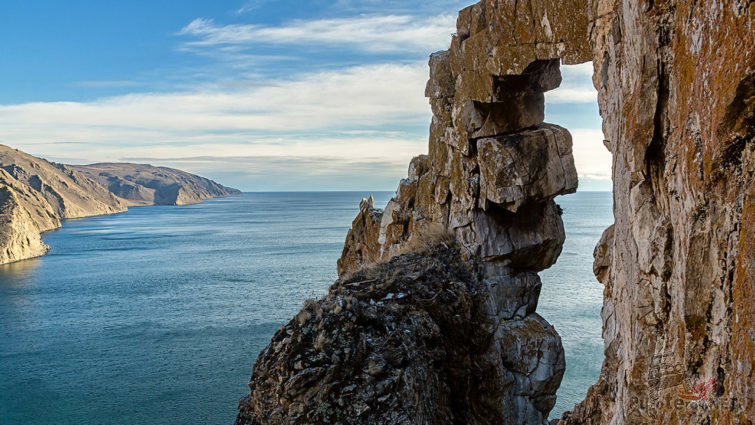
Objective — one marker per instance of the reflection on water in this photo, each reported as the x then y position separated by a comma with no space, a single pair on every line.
18,273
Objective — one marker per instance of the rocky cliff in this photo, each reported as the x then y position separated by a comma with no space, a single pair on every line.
35,195
140,184
407,342
677,93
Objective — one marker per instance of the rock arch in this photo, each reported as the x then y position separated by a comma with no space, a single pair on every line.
677,264
675,88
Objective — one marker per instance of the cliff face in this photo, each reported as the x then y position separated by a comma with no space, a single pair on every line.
35,195
24,215
69,193
676,91
675,82
140,184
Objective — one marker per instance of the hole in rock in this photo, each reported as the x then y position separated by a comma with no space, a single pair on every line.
571,297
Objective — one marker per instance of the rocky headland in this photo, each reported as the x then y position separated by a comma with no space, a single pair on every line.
35,195
428,338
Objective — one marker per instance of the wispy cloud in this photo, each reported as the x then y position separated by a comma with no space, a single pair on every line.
250,5
572,94
577,86
375,114
371,33
108,84
359,98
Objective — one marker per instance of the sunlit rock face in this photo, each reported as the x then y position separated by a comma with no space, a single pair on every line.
35,195
675,83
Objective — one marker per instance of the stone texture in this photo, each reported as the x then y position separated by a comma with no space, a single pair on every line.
407,342
675,84
362,246
528,166
24,215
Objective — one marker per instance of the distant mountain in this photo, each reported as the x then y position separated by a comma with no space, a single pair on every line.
140,184
35,195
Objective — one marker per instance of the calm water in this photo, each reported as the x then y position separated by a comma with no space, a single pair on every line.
156,315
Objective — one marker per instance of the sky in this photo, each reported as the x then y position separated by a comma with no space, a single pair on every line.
262,95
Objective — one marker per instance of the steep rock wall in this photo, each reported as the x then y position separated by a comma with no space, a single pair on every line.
24,215
675,83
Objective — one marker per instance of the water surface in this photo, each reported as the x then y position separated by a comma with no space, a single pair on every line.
156,315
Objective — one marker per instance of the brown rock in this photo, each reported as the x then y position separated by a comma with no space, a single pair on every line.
531,166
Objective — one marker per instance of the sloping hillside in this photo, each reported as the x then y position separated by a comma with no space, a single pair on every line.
35,195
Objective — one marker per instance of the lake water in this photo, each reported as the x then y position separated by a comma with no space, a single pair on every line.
155,316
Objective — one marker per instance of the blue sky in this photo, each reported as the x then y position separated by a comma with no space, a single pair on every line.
261,94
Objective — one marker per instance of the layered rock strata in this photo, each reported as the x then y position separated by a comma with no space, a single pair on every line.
35,195
676,91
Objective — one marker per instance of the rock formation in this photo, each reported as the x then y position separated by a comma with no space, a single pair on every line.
35,195
676,87
407,342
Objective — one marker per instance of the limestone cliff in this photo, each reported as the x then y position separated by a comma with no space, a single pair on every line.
35,195
676,84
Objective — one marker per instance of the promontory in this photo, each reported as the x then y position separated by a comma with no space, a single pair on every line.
36,194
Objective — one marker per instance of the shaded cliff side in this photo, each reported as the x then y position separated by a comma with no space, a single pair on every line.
141,184
35,195
676,91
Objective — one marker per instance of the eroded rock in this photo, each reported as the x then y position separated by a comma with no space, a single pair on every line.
530,166
414,341
675,88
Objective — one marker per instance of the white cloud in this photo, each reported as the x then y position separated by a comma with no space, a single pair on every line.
592,159
577,85
358,98
567,94
577,71
372,33
354,114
